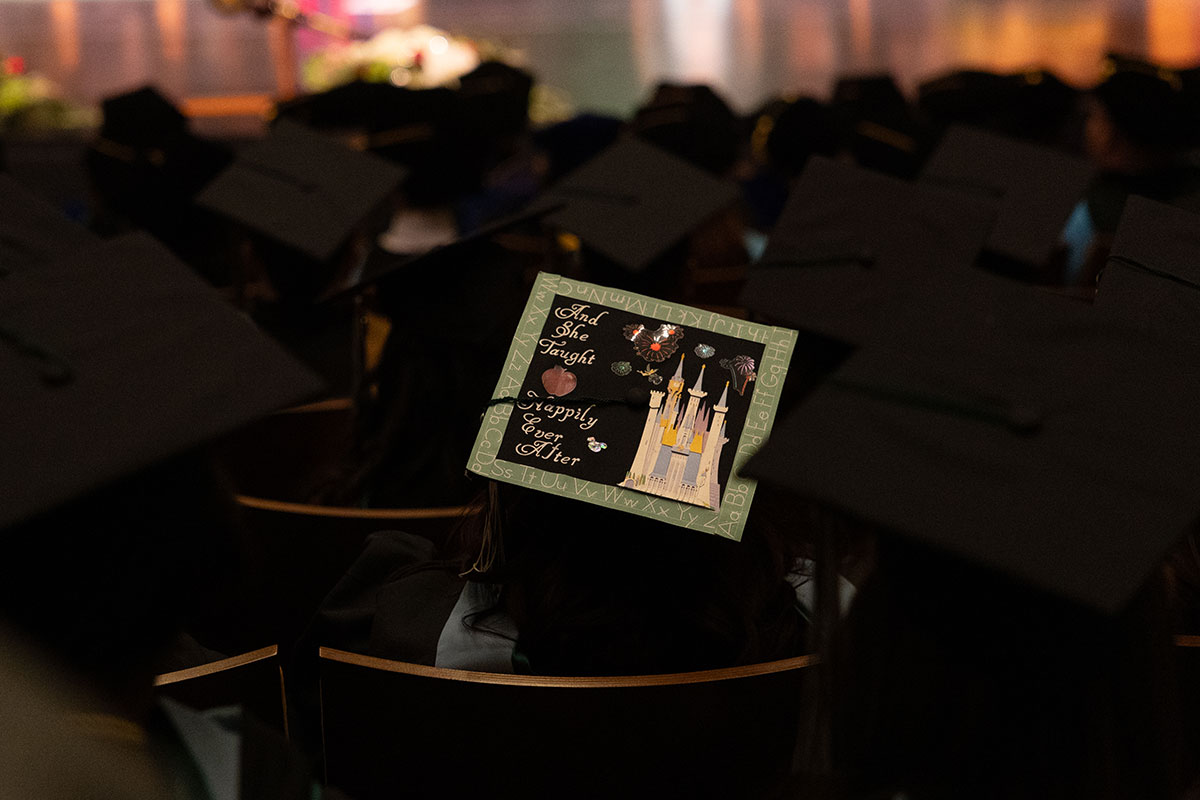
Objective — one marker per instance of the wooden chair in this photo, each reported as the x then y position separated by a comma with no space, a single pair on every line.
395,729
252,680
293,554
285,455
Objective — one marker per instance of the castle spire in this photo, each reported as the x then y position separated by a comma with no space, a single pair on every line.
699,378
679,370
724,401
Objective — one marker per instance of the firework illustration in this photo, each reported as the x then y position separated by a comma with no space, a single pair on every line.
656,344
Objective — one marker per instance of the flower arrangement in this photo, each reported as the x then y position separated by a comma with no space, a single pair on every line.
420,57
32,102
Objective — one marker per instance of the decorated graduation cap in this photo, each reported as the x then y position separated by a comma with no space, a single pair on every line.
850,240
633,202
1036,187
32,232
1152,275
302,190
632,403
116,358
1015,430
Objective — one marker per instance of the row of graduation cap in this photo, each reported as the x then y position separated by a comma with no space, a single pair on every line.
144,148
1033,433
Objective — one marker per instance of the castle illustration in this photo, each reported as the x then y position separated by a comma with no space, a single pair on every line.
680,449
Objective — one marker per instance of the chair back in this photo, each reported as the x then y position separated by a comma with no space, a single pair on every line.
286,455
293,554
252,680
391,729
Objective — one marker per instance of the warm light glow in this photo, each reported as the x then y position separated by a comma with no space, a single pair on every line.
860,30
438,45
64,17
697,33
172,17
1018,35
1173,30
372,7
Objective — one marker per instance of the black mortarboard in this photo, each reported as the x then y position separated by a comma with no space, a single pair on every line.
634,201
382,266
575,141
796,130
1034,104
694,123
117,358
1152,276
32,231
302,190
425,130
142,118
1019,431
850,239
495,99
1149,103
877,125
1037,188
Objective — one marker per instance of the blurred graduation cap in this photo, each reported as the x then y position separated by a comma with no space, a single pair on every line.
143,131
575,141
1154,106
1034,104
633,202
1036,187
850,240
790,131
692,122
32,232
1012,429
146,167
383,266
1152,275
303,191
878,126
112,368
428,131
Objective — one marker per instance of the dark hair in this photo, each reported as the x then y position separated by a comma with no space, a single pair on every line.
953,682
600,591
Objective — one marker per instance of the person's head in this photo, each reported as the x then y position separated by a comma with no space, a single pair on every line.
600,591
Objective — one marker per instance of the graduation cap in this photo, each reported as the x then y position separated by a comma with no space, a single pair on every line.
633,202
1013,429
1152,275
1033,104
788,134
877,125
425,130
1036,187
693,122
32,232
574,142
117,366
301,190
633,403
1155,107
850,241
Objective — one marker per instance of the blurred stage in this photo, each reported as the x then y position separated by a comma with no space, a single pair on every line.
606,53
